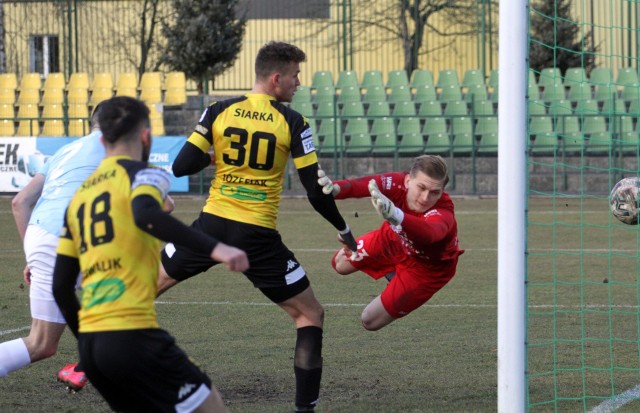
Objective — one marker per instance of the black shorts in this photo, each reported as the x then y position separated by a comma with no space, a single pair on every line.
272,266
141,370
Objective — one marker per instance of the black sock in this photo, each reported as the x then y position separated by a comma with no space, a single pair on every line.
308,367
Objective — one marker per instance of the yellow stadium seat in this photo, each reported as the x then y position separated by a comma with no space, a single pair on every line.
78,111
55,81
7,128
8,81
151,80
127,80
102,80
7,111
52,95
53,127
28,124
78,127
175,97
156,118
100,94
53,111
127,91
151,95
78,80
31,81
175,80
7,96
27,96
78,95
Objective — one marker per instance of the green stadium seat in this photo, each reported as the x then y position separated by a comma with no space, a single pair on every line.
488,144
421,77
544,139
351,109
303,94
550,76
560,109
613,106
627,76
553,91
634,107
434,125
630,93
450,93
586,107
397,78
347,78
438,144
601,76
399,93
406,108
358,144
385,144
408,126
349,94
494,79
374,94
473,77
302,107
486,125
321,78
575,75
356,125
425,93
620,124
567,125
605,92
383,125
430,108
579,91
460,125
536,107
447,77
371,78
476,92
482,107
325,93
378,108
456,108
411,144
598,137
463,143
532,91
328,133
326,109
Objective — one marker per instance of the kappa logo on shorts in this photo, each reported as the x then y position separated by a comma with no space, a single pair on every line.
185,390
291,264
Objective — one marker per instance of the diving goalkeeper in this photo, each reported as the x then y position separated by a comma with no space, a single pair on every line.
416,248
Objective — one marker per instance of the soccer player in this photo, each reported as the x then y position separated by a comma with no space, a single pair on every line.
416,248
252,138
112,232
38,211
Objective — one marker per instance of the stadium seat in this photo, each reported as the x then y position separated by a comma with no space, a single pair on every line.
560,110
303,94
78,80
601,76
385,145
7,128
408,126
421,77
536,108
78,120
612,106
349,94
450,93
456,108
411,144
175,80
7,96
486,125
321,78
352,109
448,77
127,80
399,93
463,143
575,76
157,120
579,91
378,108
461,125
327,108
567,126
550,76
634,108
150,80
397,78
52,111
52,96
605,92
100,94
371,78
102,80
347,78
553,91
327,135
476,92
127,91
302,107
630,93
78,95
8,81
28,124
438,144
586,107
435,125
53,127
55,81
325,93
383,125
7,111
31,81
572,139
482,107
374,94
488,144
175,97
425,93
358,144
493,80
28,96
627,76
544,139
430,108
533,92
473,77
356,125
406,108
151,95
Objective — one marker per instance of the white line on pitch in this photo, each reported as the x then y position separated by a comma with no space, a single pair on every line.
14,330
615,402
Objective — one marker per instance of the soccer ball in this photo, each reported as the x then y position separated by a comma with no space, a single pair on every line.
624,199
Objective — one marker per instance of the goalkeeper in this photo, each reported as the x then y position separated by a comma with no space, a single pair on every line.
416,248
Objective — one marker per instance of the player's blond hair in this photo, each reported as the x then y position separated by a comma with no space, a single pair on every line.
433,166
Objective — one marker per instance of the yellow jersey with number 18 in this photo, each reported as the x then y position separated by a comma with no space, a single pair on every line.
252,137
118,260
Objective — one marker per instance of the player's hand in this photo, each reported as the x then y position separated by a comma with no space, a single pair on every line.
233,258
26,273
328,187
384,206
346,237
168,205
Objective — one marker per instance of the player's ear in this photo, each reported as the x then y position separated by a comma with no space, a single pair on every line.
407,178
145,136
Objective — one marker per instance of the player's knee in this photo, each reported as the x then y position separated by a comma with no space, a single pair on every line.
369,325
338,262
42,350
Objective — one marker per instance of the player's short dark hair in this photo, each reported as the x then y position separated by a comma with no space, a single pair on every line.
275,56
434,166
122,117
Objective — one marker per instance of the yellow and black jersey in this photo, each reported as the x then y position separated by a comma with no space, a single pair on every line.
118,260
252,137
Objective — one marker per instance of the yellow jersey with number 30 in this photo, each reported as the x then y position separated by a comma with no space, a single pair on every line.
118,260
252,137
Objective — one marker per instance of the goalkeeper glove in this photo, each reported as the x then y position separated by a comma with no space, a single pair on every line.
384,206
346,237
328,187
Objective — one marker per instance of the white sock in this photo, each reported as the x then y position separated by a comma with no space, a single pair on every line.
13,356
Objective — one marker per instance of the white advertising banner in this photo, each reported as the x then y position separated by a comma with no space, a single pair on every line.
19,162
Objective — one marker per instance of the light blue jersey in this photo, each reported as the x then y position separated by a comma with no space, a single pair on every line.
64,171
